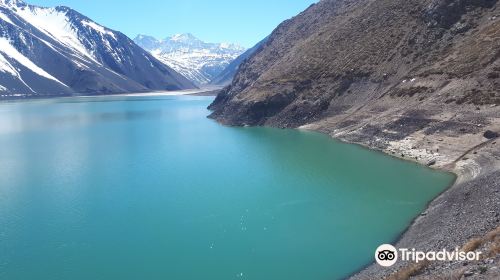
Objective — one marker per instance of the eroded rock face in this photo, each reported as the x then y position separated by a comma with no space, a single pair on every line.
446,13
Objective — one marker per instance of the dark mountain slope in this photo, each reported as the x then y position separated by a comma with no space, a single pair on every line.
343,48
418,80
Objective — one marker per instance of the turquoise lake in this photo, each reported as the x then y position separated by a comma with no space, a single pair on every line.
149,188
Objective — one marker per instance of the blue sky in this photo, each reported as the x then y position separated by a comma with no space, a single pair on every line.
244,22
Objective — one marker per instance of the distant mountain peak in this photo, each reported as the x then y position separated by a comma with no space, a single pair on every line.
197,60
183,37
140,37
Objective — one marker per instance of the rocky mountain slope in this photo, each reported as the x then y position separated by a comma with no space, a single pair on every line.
58,51
199,61
416,79
226,77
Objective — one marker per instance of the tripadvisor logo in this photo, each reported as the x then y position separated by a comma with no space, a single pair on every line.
387,255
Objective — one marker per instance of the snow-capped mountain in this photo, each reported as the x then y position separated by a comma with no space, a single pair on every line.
196,60
58,51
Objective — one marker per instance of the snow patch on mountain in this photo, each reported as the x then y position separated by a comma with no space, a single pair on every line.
6,67
9,50
5,18
55,24
98,28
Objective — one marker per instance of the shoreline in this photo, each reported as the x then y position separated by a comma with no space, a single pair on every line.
211,91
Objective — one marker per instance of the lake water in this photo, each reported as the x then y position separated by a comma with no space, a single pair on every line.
149,188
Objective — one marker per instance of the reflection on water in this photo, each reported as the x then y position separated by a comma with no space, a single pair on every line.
51,113
24,123
107,99
99,117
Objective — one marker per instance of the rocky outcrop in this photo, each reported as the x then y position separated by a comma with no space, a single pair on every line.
416,79
446,13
